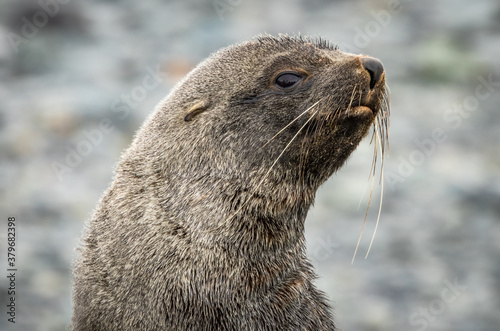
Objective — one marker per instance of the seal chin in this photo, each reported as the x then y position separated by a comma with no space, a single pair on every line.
360,111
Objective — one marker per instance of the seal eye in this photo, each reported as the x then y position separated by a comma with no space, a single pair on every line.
287,80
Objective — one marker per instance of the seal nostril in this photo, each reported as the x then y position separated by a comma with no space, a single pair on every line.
374,68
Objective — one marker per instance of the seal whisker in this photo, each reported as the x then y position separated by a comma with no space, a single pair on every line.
379,129
320,122
295,119
352,96
380,132
288,145
317,132
387,112
302,163
381,200
372,175
380,137
304,152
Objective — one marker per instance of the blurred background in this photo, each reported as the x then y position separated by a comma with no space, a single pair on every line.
77,79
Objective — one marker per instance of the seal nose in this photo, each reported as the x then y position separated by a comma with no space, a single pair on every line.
374,68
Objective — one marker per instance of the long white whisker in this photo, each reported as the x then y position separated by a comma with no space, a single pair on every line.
295,119
381,200
364,223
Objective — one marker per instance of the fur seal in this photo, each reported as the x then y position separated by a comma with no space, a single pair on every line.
203,225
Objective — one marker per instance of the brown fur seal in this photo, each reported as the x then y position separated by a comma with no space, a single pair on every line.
203,225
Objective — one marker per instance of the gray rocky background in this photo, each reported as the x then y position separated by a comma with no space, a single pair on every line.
77,78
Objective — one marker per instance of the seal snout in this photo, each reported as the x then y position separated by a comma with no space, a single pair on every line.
374,68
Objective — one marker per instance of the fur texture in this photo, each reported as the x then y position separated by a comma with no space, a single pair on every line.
203,225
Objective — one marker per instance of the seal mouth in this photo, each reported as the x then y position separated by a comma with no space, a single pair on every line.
369,102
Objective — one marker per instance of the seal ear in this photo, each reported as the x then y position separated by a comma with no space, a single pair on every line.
198,108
